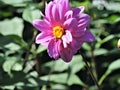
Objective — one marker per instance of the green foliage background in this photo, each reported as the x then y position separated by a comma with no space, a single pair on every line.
27,66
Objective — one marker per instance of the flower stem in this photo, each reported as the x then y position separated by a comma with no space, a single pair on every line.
103,77
95,81
93,64
29,48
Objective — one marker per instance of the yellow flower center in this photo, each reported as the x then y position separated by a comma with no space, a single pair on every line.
58,31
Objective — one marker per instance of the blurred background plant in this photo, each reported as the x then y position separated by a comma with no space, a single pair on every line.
27,66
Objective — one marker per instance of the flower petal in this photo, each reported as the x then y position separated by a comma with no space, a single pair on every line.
75,45
87,37
41,25
61,13
78,10
43,38
66,54
69,14
63,7
67,38
75,12
66,5
64,41
48,10
53,48
81,9
70,23
84,20
78,33
55,13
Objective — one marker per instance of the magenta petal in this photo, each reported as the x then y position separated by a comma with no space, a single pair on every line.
66,54
53,48
61,12
63,7
55,13
78,33
43,37
75,12
66,5
76,45
41,25
69,14
48,10
70,23
84,21
78,10
88,37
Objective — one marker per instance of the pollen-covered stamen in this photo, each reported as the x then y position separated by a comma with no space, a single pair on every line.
58,31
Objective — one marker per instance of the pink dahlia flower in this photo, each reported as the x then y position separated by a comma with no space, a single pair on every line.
63,30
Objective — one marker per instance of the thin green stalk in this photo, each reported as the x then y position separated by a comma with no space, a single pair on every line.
95,81
104,76
91,73
29,48
93,63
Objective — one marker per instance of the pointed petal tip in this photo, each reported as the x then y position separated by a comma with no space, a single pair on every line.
87,37
82,8
34,22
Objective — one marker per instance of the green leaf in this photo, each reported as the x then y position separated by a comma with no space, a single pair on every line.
12,46
58,78
112,6
13,1
100,51
108,38
113,18
18,40
77,4
64,78
74,79
59,87
56,65
11,63
17,67
12,26
30,14
114,65
10,83
4,40
75,65
41,49
19,3
1,59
